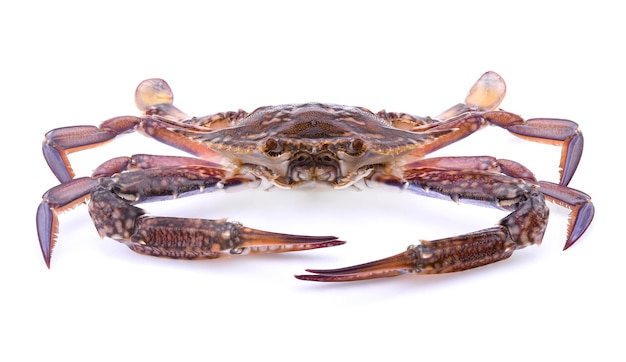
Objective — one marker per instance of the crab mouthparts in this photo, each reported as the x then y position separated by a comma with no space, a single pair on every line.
306,167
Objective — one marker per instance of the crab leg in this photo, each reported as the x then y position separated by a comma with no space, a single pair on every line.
430,257
111,208
56,200
524,226
161,121
480,110
559,132
579,202
60,142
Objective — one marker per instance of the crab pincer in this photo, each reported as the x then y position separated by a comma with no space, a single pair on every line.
253,241
111,204
181,238
524,226
429,257
392,266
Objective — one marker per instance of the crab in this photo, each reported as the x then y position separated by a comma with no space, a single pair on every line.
313,144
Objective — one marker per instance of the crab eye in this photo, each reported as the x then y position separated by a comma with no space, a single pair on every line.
356,147
273,147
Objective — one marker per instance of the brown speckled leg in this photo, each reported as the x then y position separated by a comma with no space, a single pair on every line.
524,226
115,217
112,209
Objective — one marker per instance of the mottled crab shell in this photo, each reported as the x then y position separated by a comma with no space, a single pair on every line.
279,138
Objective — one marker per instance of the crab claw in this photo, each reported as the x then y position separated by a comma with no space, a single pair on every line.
429,257
392,266
252,241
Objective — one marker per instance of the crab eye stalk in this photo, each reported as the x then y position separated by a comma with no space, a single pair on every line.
356,147
272,147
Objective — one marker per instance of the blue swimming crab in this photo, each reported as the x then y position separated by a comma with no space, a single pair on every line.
327,145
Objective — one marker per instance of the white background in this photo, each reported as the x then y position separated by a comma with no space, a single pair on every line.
68,63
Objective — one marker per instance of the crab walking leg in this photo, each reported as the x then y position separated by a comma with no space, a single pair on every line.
483,163
56,200
161,119
480,109
111,208
554,131
558,132
524,226
146,162
61,142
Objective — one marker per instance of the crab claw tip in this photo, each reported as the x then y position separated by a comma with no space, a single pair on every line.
399,264
258,241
